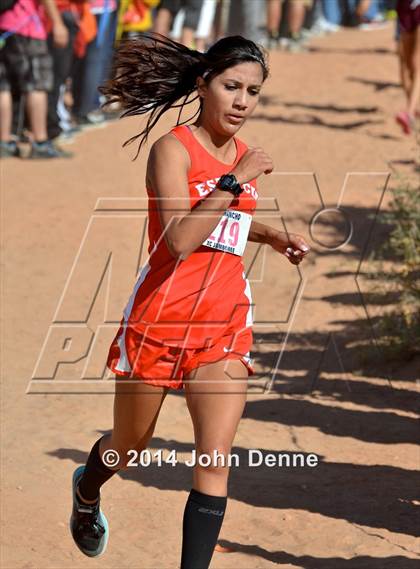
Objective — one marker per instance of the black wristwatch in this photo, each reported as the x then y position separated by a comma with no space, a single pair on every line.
229,183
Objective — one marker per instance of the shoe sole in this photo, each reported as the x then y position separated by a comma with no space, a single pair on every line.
6,154
91,126
404,124
65,155
101,550
66,141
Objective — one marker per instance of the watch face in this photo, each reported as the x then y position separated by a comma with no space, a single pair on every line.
228,181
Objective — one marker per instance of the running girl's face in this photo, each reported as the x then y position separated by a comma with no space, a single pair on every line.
231,97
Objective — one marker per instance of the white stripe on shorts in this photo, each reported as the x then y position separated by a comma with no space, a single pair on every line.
247,291
208,10
123,363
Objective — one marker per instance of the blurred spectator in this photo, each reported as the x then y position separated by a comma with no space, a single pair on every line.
93,69
364,14
82,35
273,22
74,14
167,11
333,11
203,33
409,47
319,24
135,17
26,71
247,18
296,12
358,10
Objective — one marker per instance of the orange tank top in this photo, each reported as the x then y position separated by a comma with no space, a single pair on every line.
197,300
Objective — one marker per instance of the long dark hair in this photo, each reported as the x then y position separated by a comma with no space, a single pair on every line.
153,74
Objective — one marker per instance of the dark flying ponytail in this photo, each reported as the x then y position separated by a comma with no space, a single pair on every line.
153,74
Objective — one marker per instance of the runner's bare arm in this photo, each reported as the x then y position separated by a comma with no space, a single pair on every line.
261,233
167,176
292,245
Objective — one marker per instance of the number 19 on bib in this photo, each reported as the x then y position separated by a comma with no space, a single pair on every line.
231,233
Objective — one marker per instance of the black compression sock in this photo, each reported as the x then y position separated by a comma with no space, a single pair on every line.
95,474
203,518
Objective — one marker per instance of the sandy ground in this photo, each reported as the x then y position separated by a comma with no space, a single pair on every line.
327,119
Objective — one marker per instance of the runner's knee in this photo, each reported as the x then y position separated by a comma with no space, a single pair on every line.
415,63
134,440
214,458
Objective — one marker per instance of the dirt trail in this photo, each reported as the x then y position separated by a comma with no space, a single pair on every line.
327,113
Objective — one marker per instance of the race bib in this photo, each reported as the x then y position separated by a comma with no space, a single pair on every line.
231,233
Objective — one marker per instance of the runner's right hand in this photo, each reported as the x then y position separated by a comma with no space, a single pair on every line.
252,164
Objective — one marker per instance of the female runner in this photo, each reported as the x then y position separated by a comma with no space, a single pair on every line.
188,321
408,12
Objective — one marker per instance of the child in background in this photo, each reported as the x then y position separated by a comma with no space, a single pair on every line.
26,71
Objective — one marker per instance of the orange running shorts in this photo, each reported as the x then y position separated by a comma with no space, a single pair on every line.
158,364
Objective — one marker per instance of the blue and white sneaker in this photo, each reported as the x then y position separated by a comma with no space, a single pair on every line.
88,525
9,149
47,149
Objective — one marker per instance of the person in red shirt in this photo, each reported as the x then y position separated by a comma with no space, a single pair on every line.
188,323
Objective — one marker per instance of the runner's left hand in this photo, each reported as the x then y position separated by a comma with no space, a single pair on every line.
292,245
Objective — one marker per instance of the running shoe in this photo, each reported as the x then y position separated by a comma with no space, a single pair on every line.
9,149
272,40
297,45
322,26
94,119
376,23
67,136
48,150
406,121
88,524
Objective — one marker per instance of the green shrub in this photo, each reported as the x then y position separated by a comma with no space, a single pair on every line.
396,269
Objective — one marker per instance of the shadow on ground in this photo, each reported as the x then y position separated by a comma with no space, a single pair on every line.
377,496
